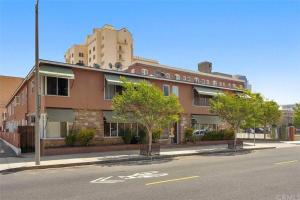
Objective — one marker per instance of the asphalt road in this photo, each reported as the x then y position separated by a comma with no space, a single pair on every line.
266,174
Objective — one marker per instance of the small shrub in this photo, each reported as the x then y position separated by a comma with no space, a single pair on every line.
71,138
156,135
86,136
127,136
188,134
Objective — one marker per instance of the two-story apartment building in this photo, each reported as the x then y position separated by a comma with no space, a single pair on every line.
75,96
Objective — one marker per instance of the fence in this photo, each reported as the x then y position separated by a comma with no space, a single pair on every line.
26,138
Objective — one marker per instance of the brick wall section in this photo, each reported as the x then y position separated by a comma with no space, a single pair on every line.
12,138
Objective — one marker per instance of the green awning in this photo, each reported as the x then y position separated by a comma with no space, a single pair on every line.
110,118
207,91
60,115
206,119
116,79
56,71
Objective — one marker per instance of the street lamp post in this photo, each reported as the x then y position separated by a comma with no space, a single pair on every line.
37,87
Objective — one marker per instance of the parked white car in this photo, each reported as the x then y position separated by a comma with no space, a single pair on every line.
200,132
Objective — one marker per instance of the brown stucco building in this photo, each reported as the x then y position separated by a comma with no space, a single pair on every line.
75,96
8,85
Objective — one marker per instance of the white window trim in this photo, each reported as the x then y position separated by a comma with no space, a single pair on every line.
144,72
45,87
168,89
175,86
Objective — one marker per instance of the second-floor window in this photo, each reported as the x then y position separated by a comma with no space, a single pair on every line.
144,72
112,90
57,86
175,90
201,100
177,77
166,90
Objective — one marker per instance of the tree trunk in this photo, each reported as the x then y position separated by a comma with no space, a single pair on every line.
265,131
149,143
235,134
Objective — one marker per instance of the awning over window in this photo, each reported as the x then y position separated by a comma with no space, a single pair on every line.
208,91
60,115
206,119
56,71
116,79
110,118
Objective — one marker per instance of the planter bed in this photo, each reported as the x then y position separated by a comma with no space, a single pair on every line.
120,147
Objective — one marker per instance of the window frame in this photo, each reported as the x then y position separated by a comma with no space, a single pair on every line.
175,86
168,86
144,72
46,83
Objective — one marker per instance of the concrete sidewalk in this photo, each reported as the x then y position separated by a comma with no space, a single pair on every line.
27,160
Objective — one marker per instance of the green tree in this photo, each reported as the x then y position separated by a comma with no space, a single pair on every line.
255,101
232,108
296,116
146,105
269,114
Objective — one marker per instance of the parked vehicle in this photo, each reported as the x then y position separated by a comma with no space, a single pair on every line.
259,130
249,130
200,132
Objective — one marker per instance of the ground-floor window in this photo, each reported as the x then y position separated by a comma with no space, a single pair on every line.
209,127
114,129
57,129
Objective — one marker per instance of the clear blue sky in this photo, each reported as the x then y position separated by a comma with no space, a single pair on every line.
257,38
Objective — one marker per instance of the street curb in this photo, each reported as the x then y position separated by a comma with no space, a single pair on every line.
139,158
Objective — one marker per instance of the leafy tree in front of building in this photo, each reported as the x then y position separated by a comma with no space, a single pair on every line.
269,115
232,108
146,105
296,116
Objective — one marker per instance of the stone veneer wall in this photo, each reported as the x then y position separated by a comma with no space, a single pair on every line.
90,119
184,122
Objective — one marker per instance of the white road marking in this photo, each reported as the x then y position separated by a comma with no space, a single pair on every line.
120,179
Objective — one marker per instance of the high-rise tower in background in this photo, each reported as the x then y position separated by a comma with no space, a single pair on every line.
106,48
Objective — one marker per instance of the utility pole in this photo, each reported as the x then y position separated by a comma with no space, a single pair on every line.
37,88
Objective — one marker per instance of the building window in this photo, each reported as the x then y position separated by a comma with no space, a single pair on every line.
120,47
72,55
125,41
175,90
188,78
184,78
144,72
114,129
57,86
132,71
94,48
90,59
229,84
112,90
80,54
177,77
207,82
90,52
166,90
120,56
215,83
196,80
168,75
201,100
94,56
234,85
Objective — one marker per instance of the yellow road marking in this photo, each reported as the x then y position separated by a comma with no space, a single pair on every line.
286,162
172,180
